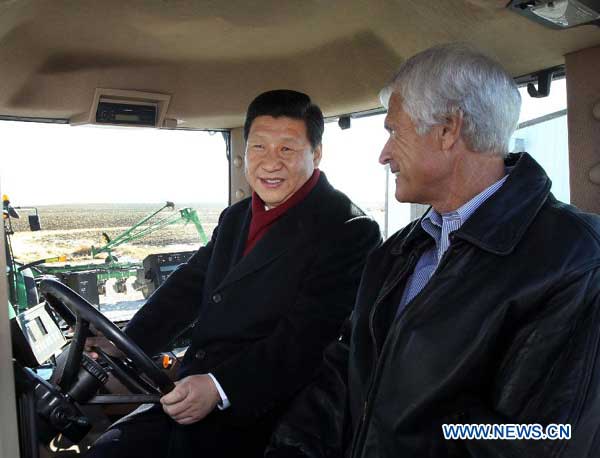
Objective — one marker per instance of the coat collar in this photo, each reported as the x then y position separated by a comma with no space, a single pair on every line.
499,224
283,234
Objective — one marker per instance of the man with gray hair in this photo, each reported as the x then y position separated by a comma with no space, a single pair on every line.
476,329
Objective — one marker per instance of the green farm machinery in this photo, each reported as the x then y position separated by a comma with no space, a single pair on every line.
90,279
150,224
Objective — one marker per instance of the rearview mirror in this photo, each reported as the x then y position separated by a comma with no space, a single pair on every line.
34,223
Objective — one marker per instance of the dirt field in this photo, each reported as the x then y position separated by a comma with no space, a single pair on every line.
72,230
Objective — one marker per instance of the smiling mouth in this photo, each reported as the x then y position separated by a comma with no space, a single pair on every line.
271,182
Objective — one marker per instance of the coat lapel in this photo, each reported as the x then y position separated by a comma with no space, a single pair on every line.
279,239
239,244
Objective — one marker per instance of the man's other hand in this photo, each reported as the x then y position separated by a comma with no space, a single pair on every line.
104,344
193,398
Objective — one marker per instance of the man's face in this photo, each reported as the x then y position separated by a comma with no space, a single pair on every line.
279,158
418,162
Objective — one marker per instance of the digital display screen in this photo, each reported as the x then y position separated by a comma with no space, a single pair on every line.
126,117
122,113
37,335
36,329
40,325
168,268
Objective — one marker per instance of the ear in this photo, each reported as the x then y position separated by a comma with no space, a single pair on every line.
246,159
317,153
451,130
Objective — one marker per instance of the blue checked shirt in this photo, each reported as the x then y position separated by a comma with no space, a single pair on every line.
439,228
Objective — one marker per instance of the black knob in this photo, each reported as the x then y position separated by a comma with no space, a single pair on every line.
61,417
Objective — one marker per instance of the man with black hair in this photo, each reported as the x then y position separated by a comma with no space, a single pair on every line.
264,297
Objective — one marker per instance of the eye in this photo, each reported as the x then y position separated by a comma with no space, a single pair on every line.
257,146
287,149
390,130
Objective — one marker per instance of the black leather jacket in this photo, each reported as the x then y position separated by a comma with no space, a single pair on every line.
506,331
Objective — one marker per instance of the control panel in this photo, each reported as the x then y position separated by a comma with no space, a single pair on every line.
36,336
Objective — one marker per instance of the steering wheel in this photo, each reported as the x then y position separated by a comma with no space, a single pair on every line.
78,312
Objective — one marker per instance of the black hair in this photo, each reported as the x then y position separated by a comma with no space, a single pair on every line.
291,104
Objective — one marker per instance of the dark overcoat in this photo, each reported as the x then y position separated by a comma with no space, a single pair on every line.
261,321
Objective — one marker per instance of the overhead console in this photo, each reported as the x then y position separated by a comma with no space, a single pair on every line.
118,107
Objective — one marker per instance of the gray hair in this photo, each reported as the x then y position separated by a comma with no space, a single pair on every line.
445,79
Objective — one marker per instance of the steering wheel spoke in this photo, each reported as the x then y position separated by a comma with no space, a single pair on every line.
74,356
102,399
127,375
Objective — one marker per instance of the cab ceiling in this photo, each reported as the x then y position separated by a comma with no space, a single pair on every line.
214,56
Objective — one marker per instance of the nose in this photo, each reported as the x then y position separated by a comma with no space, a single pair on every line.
384,156
272,161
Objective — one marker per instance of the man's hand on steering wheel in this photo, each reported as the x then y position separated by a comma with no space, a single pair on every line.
193,398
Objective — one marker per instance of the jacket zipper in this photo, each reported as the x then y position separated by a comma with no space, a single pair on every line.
360,430
384,293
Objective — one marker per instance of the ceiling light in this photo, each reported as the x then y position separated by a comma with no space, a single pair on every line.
559,14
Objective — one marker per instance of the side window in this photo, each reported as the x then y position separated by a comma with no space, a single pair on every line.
542,132
350,161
